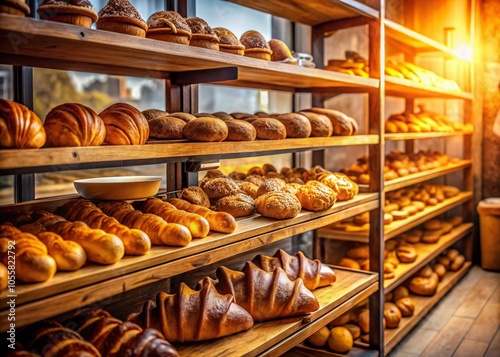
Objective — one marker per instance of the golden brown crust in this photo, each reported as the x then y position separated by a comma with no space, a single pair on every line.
406,254
297,125
153,113
222,115
121,16
166,127
281,52
229,43
168,26
20,127
206,129
14,7
278,205
315,196
82,14
195,195
269,129
342,124
240,130
186,117
255,45
321,126
202,34
237,205
125,125
219,187
73,124
271,184
249,188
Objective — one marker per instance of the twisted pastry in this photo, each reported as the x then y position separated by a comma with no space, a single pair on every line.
197,225
313,273
135,241
266,295
20,127
193,315
159,231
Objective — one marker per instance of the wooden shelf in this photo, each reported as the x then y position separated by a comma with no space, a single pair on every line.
397,227
399,87
418,42
70,290
59,46
422,307
275,337
423,176
422,136
311,12
426,253
50,159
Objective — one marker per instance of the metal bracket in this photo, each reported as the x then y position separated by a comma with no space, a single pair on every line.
196,166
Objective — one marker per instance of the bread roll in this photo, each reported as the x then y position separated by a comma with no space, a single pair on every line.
240,130
202,35
80,13
255,45
281,52
195,195
237,205
168,26
74,124
219,187
15,7
349,263
342,124
271,185
278,205
185,117
121,16
229,43
153,113
297,125
321,126
249,188
125,125
315,196
269,129
222,115
20,127
166,127
206,129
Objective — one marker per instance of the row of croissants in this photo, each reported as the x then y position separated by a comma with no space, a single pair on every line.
74,124
267,288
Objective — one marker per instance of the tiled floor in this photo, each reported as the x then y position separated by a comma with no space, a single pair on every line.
466,323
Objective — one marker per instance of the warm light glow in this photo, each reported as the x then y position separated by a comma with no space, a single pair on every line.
464,52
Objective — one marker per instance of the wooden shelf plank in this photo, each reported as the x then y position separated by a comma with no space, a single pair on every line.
311,12
417,41
423,176
422,136
69,290
48,159
397,227
399,87
422,306
426,252
275,337
56,45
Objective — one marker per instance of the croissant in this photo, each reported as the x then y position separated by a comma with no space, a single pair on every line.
193,315
100,247
49,338
197,225
33,263
218,221
115,338
135,241
74,124
313,273
20,128
266,295
159,231
125,125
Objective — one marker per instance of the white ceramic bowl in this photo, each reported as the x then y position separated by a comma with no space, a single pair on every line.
118,188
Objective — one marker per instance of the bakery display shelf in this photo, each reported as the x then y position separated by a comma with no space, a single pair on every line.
311,12
399,87
422,306
52,159
417,41
303,350
70,290
275,337
397,227
426,253
426,175
56,45
422,136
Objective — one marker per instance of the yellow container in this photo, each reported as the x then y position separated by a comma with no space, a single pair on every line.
489,224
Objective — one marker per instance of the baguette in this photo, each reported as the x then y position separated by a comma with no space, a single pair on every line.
219,221
197,225
159,231
135,241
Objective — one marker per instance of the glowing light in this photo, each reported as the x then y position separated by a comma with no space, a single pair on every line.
464,52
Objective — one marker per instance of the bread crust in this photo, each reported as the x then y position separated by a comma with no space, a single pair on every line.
269,129
240,130
296,124
206,129
237,205
278,205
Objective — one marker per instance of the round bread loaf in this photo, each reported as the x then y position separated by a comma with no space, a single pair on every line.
255,179
321,126
219,187
238,205
153,113
205,129
269,129
297,125
315,196
245,116
186,117
256,45
195,195
292,187
342,124
278,205
166,127
249,188
237,175
168,26
240,130
271,184
222,115
229,43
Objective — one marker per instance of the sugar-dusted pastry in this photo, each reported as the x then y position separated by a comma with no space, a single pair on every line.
168,26
202,34
121,16
14,7
76,12
256,45
229,43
